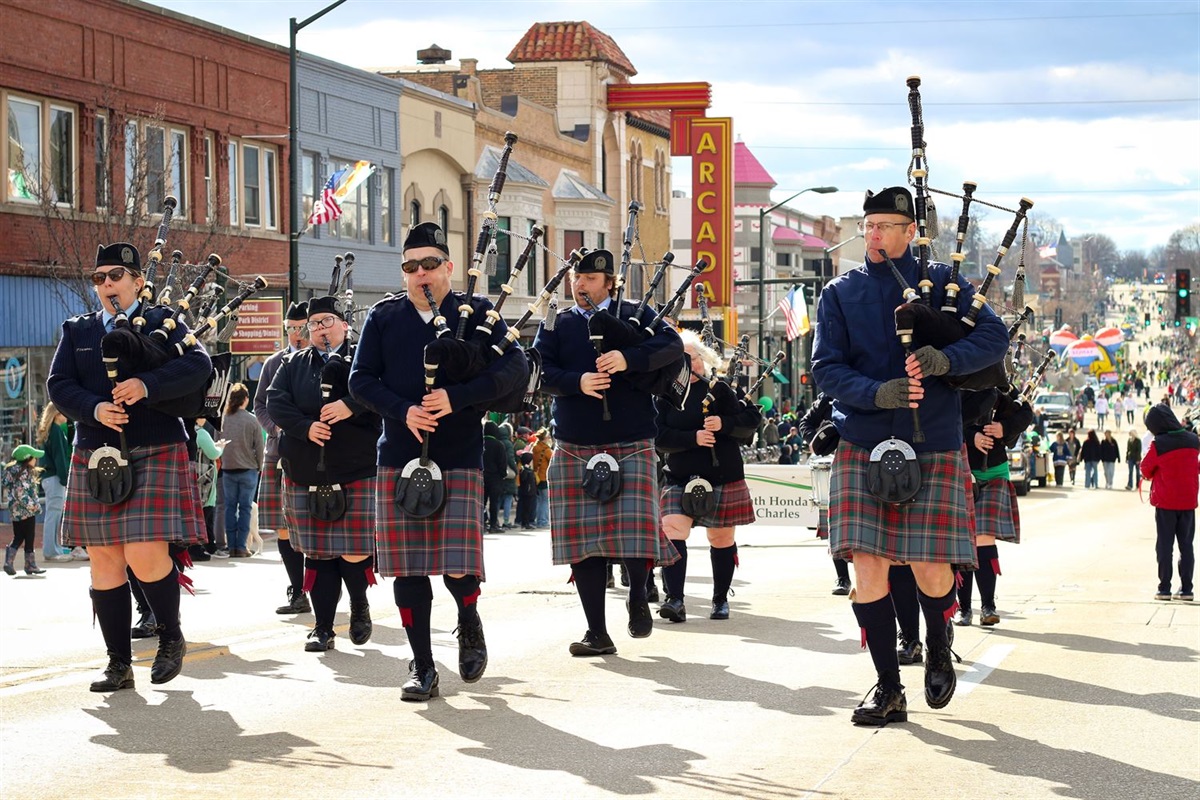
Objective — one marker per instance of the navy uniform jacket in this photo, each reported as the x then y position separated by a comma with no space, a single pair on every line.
78,383
388,377
270,367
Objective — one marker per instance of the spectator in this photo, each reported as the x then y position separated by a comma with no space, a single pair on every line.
526,492
239,468
1090,453
207,453
542,451
1101,411
1130,406
1060,454
54,435
1110,454
1117,405
509,498
20,486
1172,465
495,465
1133,458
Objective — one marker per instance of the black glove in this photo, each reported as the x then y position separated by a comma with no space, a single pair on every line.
932,361
893,394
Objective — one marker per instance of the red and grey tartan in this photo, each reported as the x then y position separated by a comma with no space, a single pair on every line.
164,505
734,506
448,543
353,534
628,526
996,511
270,496
935,528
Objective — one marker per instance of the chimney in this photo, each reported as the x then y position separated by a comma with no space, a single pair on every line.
433,55
467,65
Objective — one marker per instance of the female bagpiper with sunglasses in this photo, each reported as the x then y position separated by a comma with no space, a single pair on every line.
161,507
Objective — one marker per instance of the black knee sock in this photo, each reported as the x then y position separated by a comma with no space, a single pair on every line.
465,591
724,561
139,597
357,575
163,598
842,569
638,569
114,612
966,588
989,568
293,563
675,575
326,589
903,590
878,623
590,576
414,597
937,610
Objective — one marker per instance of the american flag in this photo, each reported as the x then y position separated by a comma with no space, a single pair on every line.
325,207
795,313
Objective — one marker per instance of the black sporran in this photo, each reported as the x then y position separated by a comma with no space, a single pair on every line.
109,476
420,490
602,480
699,501
894,473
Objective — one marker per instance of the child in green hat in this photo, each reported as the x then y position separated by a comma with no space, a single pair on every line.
20,482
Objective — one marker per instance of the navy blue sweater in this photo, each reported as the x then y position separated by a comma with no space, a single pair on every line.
78,383
567,353
388,377
677,436
857,350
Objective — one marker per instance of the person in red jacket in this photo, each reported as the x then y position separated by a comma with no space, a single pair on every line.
1172,465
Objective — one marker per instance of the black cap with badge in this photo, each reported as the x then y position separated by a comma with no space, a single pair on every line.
297,311
427,234
596,261
325,305
119,254
893,200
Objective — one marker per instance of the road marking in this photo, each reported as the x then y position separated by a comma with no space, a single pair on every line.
982,667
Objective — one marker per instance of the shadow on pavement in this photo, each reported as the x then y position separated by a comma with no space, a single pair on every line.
1051,687
1083,775
716,682
207,661
815,636
198,740
1095,644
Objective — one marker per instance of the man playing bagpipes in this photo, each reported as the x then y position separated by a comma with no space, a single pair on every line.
327,452
429,501
894,498
126,505
270,486
604,501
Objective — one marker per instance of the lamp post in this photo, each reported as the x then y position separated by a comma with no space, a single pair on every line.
762,261
294,157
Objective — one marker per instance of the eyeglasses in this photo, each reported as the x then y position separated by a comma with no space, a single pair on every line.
428,263
882,227
321,324
114,275
296,328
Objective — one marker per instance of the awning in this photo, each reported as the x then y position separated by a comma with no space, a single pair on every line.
779,377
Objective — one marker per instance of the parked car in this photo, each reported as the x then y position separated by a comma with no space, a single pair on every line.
1057,409
1018,469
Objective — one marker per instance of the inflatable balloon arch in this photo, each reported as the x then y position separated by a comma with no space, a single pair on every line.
1095,354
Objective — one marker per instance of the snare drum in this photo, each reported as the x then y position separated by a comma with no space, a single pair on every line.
821,468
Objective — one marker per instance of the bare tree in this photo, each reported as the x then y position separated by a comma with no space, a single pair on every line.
1183,249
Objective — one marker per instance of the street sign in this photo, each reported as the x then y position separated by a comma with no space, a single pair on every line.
260,327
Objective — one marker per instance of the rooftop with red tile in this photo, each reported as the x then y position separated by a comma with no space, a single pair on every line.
569,41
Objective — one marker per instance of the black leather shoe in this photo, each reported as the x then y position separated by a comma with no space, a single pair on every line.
909,652
888,704
421,685
988,616
472,651
940,680
145,627
720,610
117,675
594,644
297,603
360,624
168,661
964,617
624,574
641,624
673,610
652,592
842,588
319,640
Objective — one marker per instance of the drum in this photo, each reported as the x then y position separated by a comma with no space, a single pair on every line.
821,468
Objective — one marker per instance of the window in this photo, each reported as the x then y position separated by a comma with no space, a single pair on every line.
235,212
354,222
155,166
384,176
268,188
532,276
24,149
503,256
251,200
210,208
572,240
600,241
660,180
103,187
414,214
783,259
444,218
308,182
39,151
254,193
62,155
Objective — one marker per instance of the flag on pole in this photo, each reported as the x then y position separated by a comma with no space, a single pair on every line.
353,179
795,313
326,207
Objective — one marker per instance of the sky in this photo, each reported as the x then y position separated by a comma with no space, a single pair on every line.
1090,109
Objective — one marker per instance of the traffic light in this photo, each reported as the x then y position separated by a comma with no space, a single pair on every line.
1147,320
1183,294
1058,318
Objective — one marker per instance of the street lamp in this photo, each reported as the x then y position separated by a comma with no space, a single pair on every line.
762,261
293,157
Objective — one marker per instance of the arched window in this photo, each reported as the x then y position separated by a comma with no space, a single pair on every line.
444,218
414,214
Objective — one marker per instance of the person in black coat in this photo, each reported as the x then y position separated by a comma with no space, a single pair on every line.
1110,454
495,467
1090,454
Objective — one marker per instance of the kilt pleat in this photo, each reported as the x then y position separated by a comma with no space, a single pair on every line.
628,526
270,498
734,505
996,512
353,534
936,528
164,506
448,543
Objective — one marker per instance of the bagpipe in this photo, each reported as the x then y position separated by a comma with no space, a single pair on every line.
327,501
918,322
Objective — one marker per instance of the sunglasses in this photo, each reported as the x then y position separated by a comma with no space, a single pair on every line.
114,275
428,263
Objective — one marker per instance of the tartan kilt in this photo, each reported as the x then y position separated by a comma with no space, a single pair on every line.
353,534
628,526
448,543
936,528
734,506
996,511
163,507
271,500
